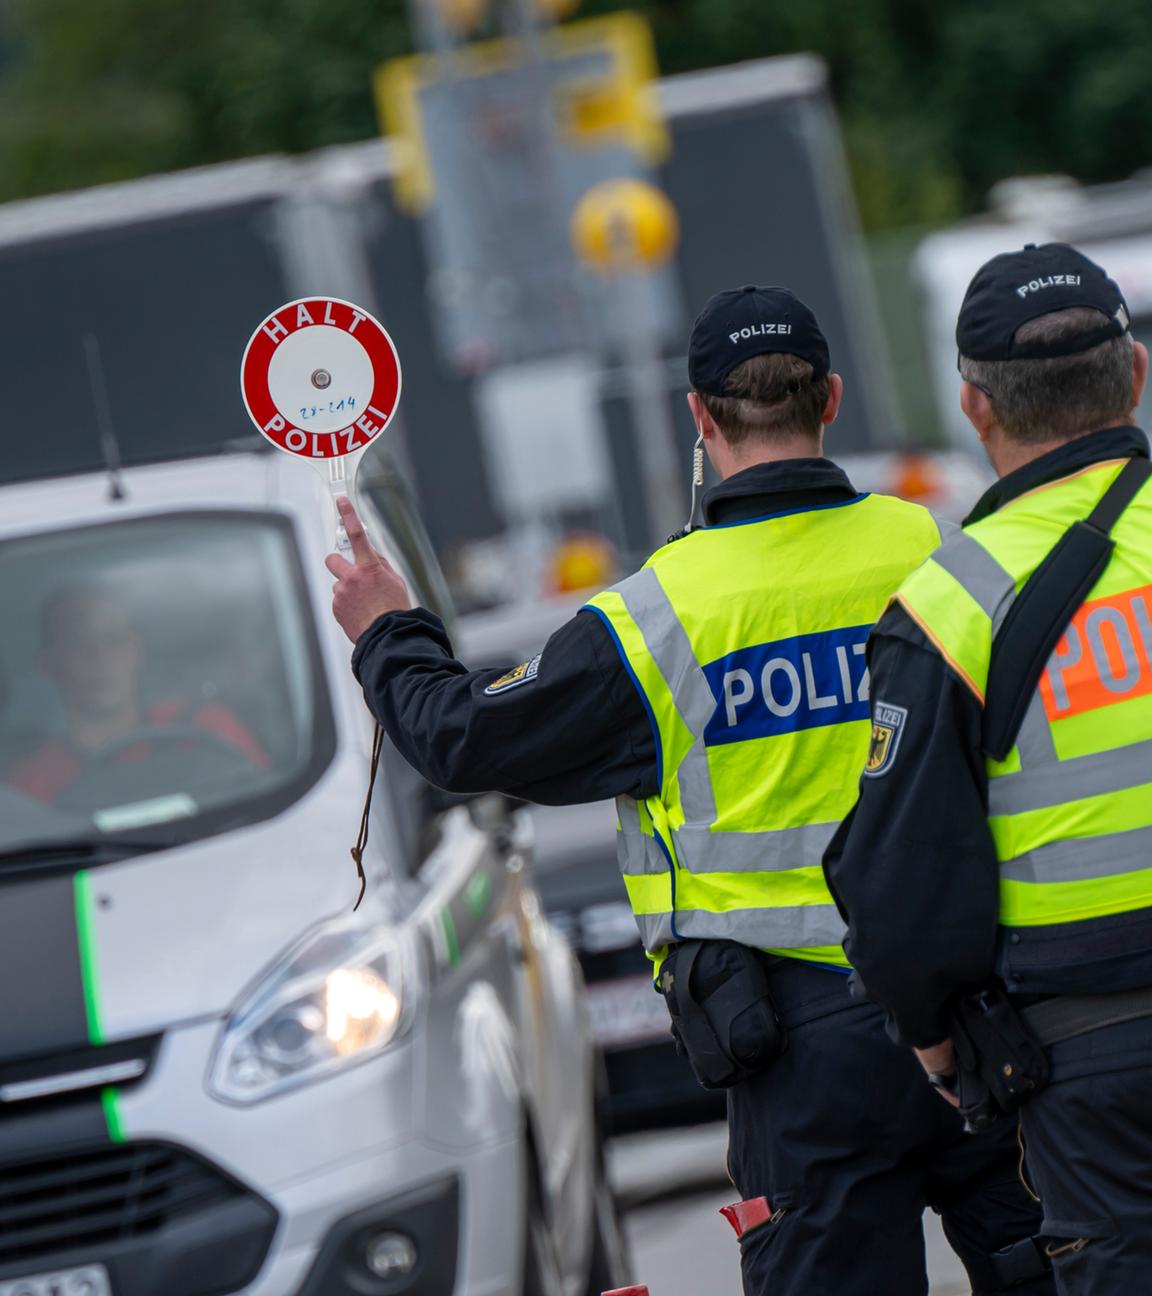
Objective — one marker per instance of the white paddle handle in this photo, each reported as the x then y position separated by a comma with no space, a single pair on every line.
338,485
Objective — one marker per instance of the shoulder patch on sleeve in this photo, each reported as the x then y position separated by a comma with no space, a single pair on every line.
887,726
525,673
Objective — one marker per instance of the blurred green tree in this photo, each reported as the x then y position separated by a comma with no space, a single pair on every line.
938,100
134,86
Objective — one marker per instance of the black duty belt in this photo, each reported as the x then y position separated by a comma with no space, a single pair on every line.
1065,1017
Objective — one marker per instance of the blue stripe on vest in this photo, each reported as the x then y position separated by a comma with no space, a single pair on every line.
788,685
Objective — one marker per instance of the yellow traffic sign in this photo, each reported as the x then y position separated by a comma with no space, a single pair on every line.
602,71
622,225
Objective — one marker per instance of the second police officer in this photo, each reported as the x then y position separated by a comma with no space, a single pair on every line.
997,871
720,694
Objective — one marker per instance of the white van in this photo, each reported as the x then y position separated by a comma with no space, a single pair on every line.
216,1075
1111,223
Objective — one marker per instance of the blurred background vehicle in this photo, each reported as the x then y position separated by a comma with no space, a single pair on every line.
215,1076
544,444
1110,223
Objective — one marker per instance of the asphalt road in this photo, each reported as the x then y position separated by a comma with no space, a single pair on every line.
680,1245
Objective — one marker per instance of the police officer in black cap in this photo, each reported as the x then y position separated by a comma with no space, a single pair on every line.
997,871
719,694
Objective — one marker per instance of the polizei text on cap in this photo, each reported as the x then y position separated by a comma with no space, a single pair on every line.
1049,281
758,330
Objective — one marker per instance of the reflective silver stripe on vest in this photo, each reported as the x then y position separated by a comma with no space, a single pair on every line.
799,927
704,851
994,589
655,930
1080,859
1034,741
1071,780
636,852
670,648
697,848
980,574
945,528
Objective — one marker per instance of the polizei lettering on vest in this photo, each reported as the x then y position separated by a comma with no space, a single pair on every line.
758,330
1049,281
791,684
1104,657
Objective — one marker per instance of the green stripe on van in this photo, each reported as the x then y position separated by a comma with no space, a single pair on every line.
110,1102
85,937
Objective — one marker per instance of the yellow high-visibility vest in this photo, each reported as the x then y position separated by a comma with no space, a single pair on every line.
1070,808
746,643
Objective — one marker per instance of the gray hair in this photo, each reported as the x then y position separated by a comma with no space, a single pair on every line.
1064,397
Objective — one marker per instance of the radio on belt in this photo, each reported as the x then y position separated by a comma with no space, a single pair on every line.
321,380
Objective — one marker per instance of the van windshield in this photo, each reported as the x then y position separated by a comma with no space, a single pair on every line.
159,679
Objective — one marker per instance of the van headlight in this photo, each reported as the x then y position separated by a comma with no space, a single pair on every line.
337,998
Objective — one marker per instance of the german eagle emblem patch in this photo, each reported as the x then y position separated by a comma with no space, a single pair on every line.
525,673
887,726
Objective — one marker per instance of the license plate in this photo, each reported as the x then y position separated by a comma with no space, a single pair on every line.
91,1280
625,1012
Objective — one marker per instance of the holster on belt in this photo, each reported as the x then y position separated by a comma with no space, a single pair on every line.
999,1061
723,1018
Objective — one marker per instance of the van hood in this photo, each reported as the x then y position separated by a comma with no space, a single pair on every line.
135,947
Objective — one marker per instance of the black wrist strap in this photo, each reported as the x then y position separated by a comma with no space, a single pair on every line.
1045,606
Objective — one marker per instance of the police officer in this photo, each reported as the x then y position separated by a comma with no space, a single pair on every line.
720,695
963,876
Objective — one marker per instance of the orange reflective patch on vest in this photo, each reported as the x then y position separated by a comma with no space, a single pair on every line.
1104,657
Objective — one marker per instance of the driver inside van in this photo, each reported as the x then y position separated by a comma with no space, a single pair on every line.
94,656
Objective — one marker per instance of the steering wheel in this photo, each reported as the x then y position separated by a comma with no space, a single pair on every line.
102,780
170,734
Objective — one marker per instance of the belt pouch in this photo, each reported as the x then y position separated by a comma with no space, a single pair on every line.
993,1040
722,1013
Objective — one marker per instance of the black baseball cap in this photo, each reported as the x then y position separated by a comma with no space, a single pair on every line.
1016,287
744,322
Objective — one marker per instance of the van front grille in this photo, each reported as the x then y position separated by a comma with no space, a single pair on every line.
85,1199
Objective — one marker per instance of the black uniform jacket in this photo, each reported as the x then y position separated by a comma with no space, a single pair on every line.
572,728
913,868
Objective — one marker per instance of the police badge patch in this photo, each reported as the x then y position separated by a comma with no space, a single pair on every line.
525,673
887,726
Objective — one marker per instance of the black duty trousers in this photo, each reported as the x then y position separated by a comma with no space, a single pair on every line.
846,1139
1089,1152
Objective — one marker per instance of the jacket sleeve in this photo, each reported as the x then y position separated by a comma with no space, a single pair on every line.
913,868
564,728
